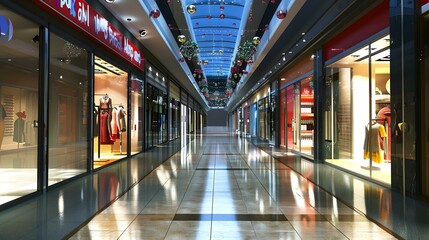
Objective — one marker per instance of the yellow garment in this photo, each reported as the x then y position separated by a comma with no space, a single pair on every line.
377,156
376,132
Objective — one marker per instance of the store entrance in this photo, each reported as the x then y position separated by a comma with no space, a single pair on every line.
357,111
110,102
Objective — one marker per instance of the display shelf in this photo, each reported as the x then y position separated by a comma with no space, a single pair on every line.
307,115
307,98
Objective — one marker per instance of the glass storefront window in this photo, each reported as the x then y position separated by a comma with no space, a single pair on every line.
68,110
292,117
19,81
307,116
174,115
110,101
262,117
137,93
156,116
357,111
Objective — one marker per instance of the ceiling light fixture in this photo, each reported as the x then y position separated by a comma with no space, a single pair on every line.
110,1
142,33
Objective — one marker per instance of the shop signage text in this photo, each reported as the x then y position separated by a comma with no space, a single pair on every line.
82,16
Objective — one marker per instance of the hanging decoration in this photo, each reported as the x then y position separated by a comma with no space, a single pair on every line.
246,51
204,87
181,38
189,49
71,51
222,16
155,13
191,9
256,40
281,14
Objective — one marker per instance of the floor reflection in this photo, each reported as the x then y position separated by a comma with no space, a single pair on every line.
223,187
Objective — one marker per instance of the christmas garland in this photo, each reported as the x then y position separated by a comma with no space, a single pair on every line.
189,49
246,51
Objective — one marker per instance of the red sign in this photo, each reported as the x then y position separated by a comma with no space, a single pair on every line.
82,16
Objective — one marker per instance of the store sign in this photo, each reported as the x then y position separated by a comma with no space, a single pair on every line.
82,16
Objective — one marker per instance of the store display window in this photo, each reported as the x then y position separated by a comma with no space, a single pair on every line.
263,109
110,102
68,110
357,111
174,111
292,117
136,100
19,81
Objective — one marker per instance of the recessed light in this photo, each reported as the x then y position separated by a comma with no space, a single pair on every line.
142,33
9,59
282,79
110,1
129,19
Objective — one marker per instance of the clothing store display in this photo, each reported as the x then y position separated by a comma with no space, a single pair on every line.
96,129
383,118
18,130
121,119
115,129
105,119
372,146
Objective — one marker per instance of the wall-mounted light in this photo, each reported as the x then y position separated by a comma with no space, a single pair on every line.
142,33
36,39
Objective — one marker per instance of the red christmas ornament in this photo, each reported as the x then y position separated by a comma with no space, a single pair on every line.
222,16
221,8
155,13
181,59
281,14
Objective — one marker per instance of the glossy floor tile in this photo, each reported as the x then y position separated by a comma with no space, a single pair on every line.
221,186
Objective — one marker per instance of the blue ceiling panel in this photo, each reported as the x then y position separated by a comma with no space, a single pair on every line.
216,28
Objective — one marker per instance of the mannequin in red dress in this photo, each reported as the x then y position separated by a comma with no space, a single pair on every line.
105,118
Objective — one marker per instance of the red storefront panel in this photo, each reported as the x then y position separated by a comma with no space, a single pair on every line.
81,16
373,22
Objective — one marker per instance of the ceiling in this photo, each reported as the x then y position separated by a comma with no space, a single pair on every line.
218,27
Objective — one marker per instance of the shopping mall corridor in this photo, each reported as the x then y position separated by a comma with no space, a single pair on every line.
220,186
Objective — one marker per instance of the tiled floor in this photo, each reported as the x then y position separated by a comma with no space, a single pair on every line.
222,187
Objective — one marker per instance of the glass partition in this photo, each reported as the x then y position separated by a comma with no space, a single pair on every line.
68,110
19,81
358,116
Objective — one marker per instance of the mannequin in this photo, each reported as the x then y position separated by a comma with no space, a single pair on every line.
121,119
105,113
18,128
374,133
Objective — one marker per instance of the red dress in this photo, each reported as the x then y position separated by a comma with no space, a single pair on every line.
105,117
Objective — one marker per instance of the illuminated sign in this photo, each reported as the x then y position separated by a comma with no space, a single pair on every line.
83,17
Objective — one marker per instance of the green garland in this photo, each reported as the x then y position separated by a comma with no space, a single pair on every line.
246,51
189,49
